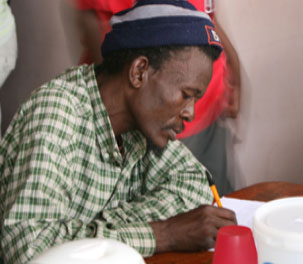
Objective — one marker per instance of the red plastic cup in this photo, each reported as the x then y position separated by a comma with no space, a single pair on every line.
235,245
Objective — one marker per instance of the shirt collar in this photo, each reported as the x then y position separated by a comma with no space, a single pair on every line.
133,142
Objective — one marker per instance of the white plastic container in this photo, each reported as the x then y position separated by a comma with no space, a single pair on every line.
278,231
90,251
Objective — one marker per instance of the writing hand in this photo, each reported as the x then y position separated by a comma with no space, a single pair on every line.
195,230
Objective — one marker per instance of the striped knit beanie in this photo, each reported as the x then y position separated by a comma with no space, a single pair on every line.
154,23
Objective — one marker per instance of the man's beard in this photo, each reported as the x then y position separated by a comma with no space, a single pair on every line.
158,151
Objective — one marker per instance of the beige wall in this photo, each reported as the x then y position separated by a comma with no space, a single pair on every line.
42,52
268,142
268,134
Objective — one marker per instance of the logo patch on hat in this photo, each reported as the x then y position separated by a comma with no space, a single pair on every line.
213,38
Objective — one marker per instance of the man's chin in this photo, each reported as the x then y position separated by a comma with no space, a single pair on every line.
156,148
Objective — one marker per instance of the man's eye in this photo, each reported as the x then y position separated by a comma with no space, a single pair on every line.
186,96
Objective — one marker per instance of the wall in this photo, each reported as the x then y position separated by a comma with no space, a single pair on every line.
268,141
42,54
268,135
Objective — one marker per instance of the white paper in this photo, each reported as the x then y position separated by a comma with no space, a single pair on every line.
244,209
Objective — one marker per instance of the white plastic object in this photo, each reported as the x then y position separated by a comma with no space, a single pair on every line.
278,231
90,251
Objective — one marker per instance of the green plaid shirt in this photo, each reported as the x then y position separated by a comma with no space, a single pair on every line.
63,177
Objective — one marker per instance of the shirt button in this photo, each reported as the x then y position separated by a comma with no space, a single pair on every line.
115,155
106,156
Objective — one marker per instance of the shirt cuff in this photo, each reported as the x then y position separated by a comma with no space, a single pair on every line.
139,236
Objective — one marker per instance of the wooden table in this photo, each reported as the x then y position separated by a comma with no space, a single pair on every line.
264,191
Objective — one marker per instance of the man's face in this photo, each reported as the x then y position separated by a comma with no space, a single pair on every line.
170,94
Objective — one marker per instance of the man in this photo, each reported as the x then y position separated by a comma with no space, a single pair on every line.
206,135
93,152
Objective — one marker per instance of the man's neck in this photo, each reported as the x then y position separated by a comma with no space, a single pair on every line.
111,90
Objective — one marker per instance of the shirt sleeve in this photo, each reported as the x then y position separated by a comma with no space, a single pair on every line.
174,184
36,192
111,6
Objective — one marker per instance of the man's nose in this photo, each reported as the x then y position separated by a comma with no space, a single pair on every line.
188,112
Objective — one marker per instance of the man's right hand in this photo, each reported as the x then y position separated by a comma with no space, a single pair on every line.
195,230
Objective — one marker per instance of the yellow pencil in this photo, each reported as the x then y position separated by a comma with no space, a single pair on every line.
213,189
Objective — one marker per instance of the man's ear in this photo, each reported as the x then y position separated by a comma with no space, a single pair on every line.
138,71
